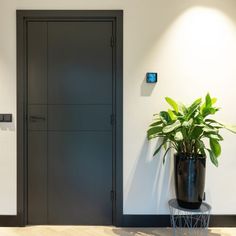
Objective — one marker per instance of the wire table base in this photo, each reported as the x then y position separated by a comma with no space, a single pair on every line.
189,222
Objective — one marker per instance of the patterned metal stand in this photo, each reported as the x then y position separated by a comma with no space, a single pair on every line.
189,222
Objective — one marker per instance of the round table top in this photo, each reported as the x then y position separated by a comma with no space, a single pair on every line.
203,208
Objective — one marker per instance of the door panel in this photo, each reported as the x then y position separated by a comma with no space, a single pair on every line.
79,117
74,63
79,177
69,122
37,62
37,177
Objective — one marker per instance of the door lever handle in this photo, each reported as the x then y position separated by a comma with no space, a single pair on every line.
37,118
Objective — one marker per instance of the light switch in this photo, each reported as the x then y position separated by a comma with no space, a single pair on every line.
5,117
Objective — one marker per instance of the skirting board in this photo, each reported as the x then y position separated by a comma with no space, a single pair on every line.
10,221
164,221
138,221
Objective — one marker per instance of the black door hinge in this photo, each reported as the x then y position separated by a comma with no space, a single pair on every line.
112,41
112,195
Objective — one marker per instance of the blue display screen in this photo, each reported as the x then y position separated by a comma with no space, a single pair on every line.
151,77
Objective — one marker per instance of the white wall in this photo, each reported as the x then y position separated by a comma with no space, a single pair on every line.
191,44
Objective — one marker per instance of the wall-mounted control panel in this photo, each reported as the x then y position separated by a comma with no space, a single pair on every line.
5,117
151,77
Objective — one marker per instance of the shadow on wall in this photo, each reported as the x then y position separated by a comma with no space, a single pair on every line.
153,189
147,88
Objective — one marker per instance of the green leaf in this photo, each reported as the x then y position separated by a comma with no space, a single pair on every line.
196,114
196,103
213,110
213,158
208,101
215,147
213,121
191,110
203,106
209,111
159,148
183,109
207,108
173,104
207,104
202,151
164,157
215,136
156,123
210,130
156,116
165,117
154,132
213,100
197,131
165,145
187,123
169,128
231,128
200,146
200,125
172,115
178,136
220,137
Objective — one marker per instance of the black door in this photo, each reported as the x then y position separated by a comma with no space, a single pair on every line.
70,103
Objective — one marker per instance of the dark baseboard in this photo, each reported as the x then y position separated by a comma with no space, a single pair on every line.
223,221
164,221
146,221
137,221
10,221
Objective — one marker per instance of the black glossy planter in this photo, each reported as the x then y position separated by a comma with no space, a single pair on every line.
189,180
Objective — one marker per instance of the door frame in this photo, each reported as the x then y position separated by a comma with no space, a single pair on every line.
116,17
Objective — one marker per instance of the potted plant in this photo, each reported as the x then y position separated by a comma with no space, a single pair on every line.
186,130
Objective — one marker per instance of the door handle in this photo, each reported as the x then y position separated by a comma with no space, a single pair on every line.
37,118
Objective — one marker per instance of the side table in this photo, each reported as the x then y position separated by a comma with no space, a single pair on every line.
189,221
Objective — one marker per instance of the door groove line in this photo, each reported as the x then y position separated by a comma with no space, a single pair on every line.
47,122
